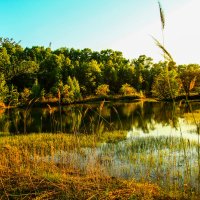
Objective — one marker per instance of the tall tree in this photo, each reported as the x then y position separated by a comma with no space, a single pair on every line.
189,76
3,89
50,72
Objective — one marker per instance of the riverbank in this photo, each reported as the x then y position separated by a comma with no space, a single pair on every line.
36,102
93,99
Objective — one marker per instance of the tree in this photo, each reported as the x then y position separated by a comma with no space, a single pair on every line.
75,88
26,75
13,97
4,62
49,74
3,89
35,90
189,76
89,75
25,95
15,53
166,85
110,76
71,91
126,72
143,78
67,69
36,53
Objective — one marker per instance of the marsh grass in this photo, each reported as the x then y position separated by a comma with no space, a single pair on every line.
60,166
30,169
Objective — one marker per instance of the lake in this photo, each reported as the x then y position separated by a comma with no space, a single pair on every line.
138,117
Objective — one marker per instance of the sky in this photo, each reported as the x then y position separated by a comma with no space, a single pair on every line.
122,25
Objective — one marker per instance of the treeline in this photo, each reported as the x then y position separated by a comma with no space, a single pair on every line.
72,74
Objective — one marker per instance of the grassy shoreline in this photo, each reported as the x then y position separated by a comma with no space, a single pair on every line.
29,171
95,99
22,177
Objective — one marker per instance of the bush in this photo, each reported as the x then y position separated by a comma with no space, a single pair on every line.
166,85
127,89
102,90
25,94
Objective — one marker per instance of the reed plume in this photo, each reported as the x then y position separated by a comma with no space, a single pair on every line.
167,55
162,16
192,83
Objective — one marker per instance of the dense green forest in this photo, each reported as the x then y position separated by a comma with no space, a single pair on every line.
71,75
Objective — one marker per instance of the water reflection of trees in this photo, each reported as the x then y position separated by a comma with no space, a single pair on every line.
166,113
91,118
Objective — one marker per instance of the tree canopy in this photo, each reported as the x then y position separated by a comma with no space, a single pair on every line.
80,73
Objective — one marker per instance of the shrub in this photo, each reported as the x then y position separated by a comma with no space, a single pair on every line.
127,89
25,94
102,90
166,85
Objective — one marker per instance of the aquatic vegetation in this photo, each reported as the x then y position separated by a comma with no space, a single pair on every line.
110,164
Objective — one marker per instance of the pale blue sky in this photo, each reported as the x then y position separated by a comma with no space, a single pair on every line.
122,25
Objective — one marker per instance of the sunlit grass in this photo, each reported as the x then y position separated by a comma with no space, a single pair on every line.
60,166
31,167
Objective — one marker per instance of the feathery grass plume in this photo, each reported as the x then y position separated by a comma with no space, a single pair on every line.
167,55
49,107
101,105
162,16
59,95
192,83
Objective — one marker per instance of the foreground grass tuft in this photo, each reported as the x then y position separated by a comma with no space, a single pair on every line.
75,186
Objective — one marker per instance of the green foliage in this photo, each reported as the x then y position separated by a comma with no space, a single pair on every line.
50,71
102,90
42,94
35,90
127,89
76,73
190,77
13,98
143,76
25,95
4,61
71,91
89,75
67,95
3,89
166,85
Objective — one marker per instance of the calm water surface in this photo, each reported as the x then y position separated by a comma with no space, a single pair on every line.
139,118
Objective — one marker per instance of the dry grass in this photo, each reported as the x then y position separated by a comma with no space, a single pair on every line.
25,175
75,186
28,170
